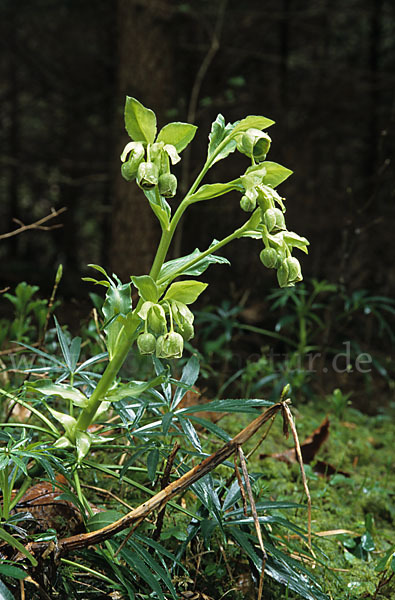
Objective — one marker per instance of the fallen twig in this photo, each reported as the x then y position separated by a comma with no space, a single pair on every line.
255,517
158,501
288,419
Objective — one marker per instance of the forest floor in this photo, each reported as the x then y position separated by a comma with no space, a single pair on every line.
353,510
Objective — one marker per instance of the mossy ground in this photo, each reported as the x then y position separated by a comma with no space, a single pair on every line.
361,446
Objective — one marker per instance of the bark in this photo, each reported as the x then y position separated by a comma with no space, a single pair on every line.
145,71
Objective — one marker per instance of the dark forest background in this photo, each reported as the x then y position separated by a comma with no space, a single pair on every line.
324,70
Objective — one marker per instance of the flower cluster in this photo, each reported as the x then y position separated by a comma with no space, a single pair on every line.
149,164
166,327
259,194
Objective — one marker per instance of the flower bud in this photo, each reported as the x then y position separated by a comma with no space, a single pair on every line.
187,331
294,270
170,345
280,220
254,143
247,203
147,175
129,168
269,219
146,343
157,319
282,274
269,258
167,185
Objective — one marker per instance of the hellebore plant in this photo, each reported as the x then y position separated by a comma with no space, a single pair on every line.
161,321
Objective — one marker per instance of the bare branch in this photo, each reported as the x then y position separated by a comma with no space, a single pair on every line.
36,225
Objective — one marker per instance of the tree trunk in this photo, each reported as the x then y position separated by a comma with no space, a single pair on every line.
145,72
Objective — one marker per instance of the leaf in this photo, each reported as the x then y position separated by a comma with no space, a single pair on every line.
161,208
213,190
5,593
11,571
217,135
189,376
14,543
296,241
166,422
75,348
64,346
236,405
255,121
177,134
152,464
185,291
133,389
176,266
140,122
275,173
102,519
67,392
83,443
134,561
118,303
68,422
190,432
147,287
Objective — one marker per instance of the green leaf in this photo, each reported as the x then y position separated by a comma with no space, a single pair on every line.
147,287
152,463
67,421
14,543
83,443
11,571
190,432
67,392
213,190
140,122
275,173
219,132
185,291
64,346
189,376
176,266
161,208
117,305
236,405
296,241
102,519
255,121
177,134
166,422
5,593
133,389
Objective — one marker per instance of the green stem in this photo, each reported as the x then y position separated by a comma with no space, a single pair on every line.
128,337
